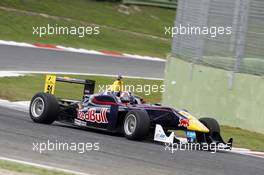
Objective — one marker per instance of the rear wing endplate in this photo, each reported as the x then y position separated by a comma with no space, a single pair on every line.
50,84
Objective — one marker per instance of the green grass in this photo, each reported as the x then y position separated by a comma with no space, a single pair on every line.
20,168
243,138
147,20
23,88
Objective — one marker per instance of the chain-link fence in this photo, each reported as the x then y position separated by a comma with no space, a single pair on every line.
227,34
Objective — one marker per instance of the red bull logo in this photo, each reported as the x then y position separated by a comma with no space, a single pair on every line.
184,122
92,116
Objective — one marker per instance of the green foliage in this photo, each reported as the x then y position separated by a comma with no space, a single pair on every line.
132,29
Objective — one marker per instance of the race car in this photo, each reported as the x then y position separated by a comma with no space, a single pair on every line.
123,113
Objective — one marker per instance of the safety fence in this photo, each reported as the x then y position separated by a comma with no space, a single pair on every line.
217,63
227,34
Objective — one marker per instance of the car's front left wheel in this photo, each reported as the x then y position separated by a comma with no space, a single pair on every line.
136,125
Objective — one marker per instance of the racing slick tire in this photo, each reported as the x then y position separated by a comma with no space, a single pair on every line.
44,108
136,125
214,130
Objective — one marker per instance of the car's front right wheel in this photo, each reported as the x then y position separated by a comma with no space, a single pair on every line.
214,130
136,125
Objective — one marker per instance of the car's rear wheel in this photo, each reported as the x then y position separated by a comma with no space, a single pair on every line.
214,129
136,125
44,108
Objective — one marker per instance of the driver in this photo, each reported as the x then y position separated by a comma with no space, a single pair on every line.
117,86
125,97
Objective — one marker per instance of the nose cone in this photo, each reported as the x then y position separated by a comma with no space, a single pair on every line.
193,123
196,125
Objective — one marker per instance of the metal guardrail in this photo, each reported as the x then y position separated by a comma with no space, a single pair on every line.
158,3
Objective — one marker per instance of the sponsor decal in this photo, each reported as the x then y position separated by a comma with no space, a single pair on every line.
191,134
160,135
79,122
92,116
184,122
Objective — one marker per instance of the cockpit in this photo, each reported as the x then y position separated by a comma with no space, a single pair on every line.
111,98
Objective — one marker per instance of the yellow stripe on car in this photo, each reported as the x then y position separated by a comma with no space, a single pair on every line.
194,124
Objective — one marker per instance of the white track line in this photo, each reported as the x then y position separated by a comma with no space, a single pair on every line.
9,74
22,106
43,166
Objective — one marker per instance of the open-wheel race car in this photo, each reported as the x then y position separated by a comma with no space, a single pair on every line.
129,116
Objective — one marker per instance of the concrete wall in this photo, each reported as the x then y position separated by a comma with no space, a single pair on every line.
204,92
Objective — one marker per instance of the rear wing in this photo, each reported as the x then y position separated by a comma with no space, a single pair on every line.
50,84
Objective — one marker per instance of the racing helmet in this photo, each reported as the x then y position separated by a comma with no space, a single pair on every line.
119,77
125,97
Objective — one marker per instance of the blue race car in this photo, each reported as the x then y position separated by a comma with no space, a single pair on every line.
120,112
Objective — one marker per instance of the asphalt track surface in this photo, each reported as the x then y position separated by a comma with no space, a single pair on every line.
117,155
33,59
